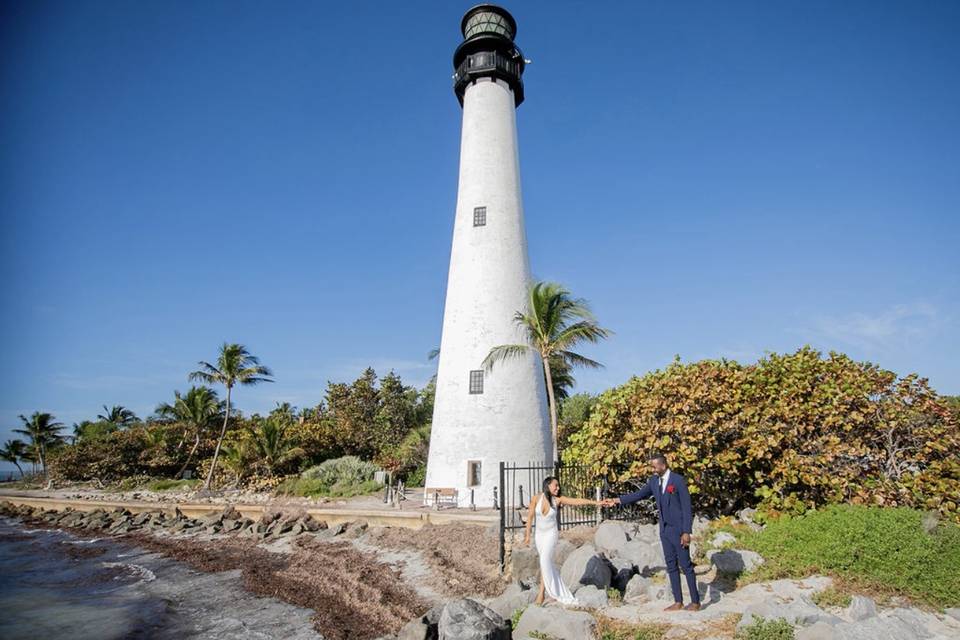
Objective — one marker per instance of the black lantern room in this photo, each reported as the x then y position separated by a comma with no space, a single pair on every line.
488,51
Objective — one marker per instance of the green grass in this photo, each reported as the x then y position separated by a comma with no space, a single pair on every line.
316,488
515,618
167,485
884,550
832,597
610,629
761,629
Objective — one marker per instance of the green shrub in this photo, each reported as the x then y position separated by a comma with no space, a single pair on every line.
340,477
792,432
886,549
761,629
312,488
168,484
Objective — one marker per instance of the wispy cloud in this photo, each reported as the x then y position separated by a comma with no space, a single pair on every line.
894,327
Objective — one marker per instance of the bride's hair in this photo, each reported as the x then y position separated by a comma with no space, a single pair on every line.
546,488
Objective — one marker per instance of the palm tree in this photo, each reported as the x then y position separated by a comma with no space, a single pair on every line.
554,323
118,415
44,434
14,451
199,409
235,365
271,443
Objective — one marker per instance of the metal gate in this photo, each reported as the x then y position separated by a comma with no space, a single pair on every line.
518,483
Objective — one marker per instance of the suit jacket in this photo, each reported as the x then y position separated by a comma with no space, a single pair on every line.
673,505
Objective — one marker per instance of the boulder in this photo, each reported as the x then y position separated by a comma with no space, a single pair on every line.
610,537
555,622
646,557
722,538
861,608
817,631
649,533
735,561
623,570
953,612
586,566
562,551
801,612
637,589
525,564
589,597
513,597
422,627
467,619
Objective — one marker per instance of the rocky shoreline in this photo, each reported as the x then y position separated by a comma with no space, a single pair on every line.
441,582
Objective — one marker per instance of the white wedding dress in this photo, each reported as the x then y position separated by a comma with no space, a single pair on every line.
546,537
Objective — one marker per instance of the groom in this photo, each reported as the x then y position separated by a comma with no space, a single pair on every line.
676,524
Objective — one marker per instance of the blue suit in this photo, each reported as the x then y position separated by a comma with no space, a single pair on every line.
676,518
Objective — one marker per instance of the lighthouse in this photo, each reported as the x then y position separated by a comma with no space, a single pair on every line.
480,417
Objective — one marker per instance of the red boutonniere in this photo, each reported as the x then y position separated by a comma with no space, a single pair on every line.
671,488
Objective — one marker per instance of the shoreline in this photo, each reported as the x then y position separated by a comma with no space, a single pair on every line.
360,589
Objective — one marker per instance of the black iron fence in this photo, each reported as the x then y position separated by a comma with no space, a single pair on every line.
519,483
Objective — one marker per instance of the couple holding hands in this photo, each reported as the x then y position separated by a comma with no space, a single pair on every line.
668,488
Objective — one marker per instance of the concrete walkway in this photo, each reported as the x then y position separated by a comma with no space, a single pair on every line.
412,515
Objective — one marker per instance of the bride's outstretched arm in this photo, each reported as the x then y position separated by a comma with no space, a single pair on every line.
576,502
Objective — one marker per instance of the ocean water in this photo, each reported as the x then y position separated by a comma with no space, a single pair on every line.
55,585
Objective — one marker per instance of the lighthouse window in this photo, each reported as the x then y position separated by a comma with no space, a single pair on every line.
476,381
473,473
479,216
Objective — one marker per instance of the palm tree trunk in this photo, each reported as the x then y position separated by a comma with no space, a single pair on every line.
553,406
216,452
19,468
196,443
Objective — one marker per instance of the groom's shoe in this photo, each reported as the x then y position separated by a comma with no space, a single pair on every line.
676,606
693,606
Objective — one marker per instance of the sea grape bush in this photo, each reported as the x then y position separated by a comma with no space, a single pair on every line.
789,432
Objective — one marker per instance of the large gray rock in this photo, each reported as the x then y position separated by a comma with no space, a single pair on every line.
555,622
953,612
525,564
649,533
589,597
562,551
610,537
722,538
637,589
735,561
422,627
623,570
896,624
801,612
861,608
586,566
646,557
467,619
513,597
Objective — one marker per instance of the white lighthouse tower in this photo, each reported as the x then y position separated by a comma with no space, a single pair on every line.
481,418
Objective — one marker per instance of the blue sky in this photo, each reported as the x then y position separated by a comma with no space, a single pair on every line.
718,179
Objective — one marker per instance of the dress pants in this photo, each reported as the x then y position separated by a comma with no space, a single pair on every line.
675,554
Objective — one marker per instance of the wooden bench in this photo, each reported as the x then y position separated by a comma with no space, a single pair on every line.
442,496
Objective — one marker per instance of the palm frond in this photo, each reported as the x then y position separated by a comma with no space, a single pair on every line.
503,352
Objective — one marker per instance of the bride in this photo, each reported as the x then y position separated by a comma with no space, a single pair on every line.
543,509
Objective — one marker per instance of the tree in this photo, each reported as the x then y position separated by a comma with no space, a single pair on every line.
198,410
119,416
14,451
271,440
554,323
44,435
235,366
